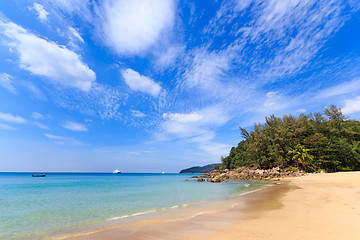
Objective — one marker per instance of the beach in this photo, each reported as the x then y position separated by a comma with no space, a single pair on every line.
321,206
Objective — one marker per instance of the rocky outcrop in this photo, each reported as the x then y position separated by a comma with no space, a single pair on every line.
246,173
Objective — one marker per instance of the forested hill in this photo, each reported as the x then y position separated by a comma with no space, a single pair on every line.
311,142
204,169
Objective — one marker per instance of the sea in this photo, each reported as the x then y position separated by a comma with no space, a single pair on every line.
34,207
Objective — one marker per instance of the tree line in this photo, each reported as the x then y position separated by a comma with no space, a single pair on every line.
318,141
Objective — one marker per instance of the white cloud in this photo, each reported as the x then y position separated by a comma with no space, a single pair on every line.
131,27
11,118
36,115
73,126
197,129
75,34
64,140
6,127
351,105
40,11
141,83
137,113
341,89
53,137
35,91
40,125
48,59
78,7
206,70
195,124
182,117
6,82
169,55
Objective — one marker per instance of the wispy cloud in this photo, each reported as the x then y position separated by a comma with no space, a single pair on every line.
6,127
40,11
351,105
7,117
75,34
141,83
40,125
73,126
65,140
48,59
6,82
131,27
53,137
137,113
38,116
80,8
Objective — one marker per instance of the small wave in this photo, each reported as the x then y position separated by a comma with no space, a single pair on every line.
187,218
75,235
132,215
155,210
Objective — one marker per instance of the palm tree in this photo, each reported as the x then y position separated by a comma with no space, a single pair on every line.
300,154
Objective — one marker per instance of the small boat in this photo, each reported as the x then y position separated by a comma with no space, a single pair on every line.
117,171
39,175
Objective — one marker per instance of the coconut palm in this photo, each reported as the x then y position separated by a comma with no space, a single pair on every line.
300,154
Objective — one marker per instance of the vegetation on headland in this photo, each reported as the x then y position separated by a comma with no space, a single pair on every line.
327,141
204,169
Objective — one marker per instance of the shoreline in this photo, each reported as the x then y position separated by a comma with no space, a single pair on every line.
204,214
321,206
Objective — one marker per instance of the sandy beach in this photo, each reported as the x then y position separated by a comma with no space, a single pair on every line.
322,206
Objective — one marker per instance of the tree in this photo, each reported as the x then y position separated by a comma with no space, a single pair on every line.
300,154
328,141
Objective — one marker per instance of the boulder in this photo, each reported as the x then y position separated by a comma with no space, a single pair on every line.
200,179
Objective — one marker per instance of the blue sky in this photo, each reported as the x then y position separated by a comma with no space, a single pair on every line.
157,85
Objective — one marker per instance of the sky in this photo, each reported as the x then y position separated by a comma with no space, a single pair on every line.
162,85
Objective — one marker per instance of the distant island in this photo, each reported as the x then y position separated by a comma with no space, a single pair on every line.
204,169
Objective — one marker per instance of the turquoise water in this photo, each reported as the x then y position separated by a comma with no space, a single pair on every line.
31,207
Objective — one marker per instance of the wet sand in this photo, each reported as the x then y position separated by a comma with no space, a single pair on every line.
323,206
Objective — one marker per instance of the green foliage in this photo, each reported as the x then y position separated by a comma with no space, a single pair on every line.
292,169
326,141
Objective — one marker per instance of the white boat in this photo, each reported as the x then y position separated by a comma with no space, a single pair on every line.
117,171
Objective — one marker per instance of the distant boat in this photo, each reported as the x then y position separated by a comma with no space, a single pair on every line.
163,173
117,171
39,175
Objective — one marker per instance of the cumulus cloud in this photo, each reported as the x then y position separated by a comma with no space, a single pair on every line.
7,117
73,126
351,105
6,82
131,27
48,59
40,11
141,83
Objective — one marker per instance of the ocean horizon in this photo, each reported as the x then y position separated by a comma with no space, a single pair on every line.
32,207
